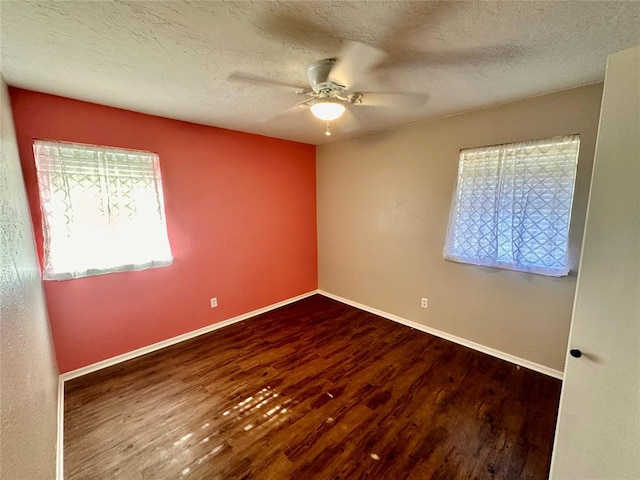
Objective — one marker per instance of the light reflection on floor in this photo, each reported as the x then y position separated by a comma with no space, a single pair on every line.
246,412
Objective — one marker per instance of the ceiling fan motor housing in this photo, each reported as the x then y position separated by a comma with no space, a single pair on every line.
318,75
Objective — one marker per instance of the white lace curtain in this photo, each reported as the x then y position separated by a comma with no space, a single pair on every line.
512,206
102,210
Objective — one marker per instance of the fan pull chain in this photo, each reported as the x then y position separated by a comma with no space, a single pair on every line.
327,133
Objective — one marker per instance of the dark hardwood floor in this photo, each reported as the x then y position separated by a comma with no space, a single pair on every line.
316,389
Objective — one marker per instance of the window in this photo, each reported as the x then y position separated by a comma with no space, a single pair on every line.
102,210
512,206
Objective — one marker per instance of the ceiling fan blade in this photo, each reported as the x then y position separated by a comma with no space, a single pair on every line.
293,26
391,99
474,56
415,22
250,78
292,109
354,60
348,123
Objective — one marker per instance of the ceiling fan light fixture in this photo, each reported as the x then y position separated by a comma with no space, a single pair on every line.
327,110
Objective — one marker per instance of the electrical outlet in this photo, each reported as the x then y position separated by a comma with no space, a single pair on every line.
424,303
214,302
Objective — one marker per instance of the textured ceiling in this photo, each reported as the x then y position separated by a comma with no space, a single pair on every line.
174,58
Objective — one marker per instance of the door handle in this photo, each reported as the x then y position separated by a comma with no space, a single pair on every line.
576,353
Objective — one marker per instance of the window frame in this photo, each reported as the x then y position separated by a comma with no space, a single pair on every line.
509,158
44,177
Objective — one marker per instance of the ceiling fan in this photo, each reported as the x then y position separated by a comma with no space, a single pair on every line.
331,83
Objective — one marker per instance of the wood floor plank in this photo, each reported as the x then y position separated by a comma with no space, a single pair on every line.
315,389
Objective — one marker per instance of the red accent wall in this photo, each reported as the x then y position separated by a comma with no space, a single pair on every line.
241,216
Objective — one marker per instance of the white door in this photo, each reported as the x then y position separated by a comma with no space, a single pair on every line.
598,431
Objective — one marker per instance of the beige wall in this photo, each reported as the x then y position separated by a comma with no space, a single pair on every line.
598,434
28,372
383,206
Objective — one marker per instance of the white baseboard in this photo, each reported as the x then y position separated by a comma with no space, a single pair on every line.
210,328
180,338
452,338
60,432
